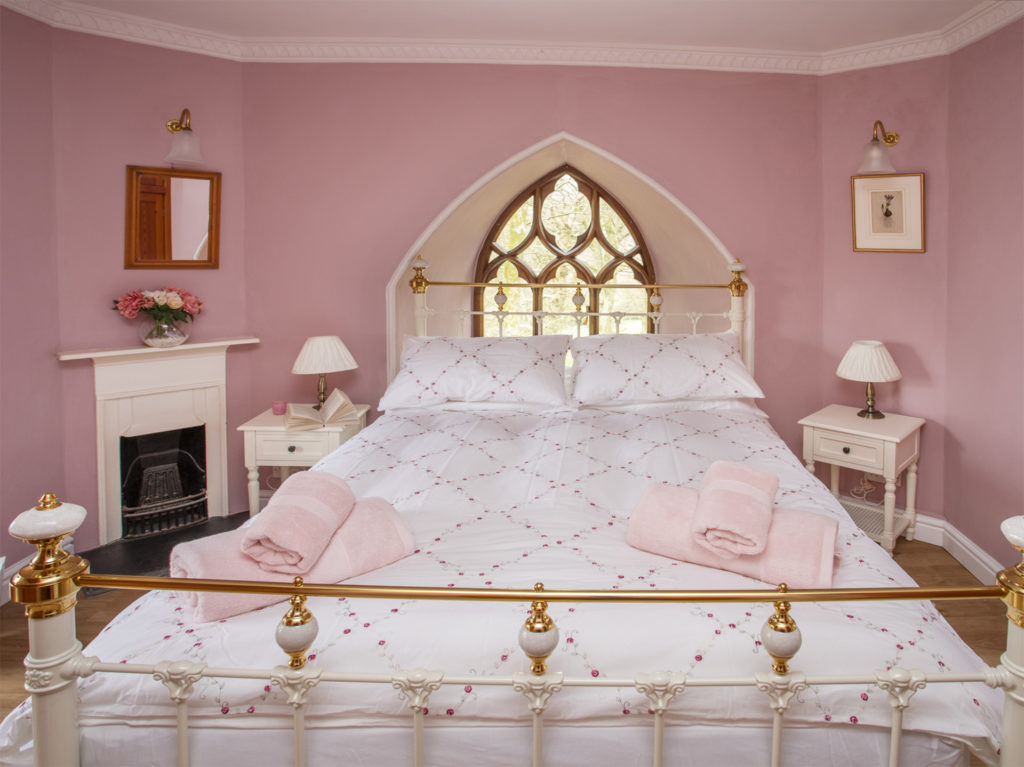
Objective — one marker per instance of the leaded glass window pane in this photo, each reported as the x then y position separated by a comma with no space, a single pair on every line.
618,300
569,205
517,228
615,230
566,213
560,300
517,300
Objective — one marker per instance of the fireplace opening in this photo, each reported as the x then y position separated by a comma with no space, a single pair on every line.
163,481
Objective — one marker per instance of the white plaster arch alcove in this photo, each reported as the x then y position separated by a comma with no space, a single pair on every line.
684,250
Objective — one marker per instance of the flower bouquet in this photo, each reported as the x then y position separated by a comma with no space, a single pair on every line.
170,309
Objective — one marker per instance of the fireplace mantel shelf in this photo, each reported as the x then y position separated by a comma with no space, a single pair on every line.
136,351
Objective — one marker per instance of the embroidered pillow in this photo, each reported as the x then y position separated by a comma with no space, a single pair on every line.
659,368
439,369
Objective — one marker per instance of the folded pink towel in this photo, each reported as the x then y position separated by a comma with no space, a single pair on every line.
734,511
291,533
799,552
374,535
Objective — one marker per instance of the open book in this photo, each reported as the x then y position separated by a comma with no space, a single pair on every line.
337,407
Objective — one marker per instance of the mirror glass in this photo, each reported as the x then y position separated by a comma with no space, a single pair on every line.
172,218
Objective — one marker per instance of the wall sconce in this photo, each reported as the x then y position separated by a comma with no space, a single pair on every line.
876,152
184,143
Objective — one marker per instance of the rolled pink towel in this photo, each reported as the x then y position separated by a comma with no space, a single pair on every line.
290,534
374,535
799,551
734,511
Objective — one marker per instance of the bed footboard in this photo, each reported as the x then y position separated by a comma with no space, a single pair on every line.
47,587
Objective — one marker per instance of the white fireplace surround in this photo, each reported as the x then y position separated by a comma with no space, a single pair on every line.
144,390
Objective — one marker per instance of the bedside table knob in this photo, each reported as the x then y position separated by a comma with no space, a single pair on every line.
846,451
291,448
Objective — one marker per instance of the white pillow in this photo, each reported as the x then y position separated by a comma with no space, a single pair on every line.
659,368
438,369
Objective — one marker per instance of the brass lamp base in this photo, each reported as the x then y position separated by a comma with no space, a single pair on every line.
321,391
869,411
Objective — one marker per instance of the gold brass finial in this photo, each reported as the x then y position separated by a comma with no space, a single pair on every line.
1012,578
539,636
297,629
419,283
578,297
538,620
298,614
780,635
48,501
737,286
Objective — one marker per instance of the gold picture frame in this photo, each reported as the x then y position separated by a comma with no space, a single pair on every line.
888,212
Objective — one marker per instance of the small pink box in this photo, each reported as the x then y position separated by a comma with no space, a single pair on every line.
279,407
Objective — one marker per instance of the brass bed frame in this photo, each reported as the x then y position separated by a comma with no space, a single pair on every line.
47,587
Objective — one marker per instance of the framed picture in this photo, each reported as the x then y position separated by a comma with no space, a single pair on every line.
888,212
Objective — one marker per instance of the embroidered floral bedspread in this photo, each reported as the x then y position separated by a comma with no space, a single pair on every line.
503,499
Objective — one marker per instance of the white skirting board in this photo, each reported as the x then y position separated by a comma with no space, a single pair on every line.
937,532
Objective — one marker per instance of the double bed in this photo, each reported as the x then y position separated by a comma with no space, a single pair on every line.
502,492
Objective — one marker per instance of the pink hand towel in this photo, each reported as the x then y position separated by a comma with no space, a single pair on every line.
291,533
374,535
734,511
799,552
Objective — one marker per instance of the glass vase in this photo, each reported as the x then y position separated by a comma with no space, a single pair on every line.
163,333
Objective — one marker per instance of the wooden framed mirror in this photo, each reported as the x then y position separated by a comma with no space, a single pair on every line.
172,219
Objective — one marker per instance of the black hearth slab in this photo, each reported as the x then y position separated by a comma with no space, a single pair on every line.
149,555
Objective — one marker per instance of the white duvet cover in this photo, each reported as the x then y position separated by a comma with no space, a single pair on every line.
499,498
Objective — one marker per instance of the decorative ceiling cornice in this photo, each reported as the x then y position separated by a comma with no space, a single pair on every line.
971,27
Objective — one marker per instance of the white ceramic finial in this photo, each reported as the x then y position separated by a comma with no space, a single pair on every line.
50,519
1013,531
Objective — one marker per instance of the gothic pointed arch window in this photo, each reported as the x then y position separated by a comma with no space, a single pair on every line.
565,230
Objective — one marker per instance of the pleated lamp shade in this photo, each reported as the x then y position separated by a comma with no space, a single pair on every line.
323,354
868,361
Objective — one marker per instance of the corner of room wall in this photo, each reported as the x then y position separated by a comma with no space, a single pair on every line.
31,401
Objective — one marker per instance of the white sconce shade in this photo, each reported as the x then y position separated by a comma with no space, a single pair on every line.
876,159
184,143
870,362
876,152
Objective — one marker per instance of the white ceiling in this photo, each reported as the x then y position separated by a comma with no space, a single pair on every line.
810,36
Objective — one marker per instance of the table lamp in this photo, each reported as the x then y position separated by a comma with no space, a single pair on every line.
868,361
321,355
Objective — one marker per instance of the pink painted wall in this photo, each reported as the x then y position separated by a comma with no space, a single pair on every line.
897,298
985,330
374,152
31,401
332,171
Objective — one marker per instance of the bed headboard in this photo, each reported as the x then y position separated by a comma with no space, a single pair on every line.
671,308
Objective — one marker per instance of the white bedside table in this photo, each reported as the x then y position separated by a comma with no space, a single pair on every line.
888,446
269,443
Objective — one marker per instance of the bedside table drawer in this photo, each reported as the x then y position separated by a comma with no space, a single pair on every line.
291,447
841,448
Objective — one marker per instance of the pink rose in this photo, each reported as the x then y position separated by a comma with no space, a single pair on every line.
129,304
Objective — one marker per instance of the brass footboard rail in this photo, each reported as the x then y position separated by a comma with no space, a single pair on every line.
48,586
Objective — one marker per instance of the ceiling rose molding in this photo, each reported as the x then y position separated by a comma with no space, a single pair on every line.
79,18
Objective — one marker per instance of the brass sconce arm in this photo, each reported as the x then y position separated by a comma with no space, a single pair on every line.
185,122
890,138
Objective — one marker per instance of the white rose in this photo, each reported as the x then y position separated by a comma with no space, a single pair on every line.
174,301
159,296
